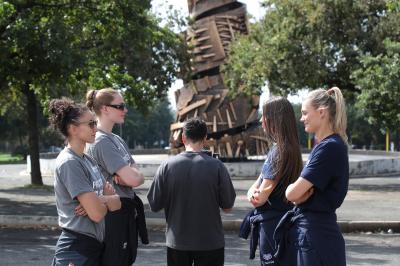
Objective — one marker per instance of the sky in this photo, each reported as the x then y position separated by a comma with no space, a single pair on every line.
253,7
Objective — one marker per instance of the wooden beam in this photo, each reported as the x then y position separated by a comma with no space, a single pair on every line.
229,118
219,115
253,111
177,134
208,55
198,31
239,146
259,138
233,110
214,124
203,38
218,123
176,126
229,149
192,106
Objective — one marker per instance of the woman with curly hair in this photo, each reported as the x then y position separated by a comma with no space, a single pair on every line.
82,196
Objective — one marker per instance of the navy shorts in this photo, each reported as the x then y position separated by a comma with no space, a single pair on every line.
75,249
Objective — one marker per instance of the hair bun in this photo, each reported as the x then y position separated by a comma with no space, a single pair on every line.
90,97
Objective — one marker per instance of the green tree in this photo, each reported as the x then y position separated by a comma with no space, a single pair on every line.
149,128
360,132
308,44
50,48
303,135
379,79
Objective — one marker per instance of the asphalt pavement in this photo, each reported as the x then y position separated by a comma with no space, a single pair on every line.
35,247
28,222
372,204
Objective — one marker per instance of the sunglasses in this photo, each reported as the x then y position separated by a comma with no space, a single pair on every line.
120,106
91,123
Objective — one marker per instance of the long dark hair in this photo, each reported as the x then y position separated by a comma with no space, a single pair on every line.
280,127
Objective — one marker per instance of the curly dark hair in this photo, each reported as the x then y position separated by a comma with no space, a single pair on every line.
64,112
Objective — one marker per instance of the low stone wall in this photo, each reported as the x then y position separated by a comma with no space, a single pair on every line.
388,164
377,167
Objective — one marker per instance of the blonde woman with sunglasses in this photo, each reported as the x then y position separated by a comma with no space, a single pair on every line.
118,167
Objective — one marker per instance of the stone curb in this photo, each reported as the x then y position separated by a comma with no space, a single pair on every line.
229,225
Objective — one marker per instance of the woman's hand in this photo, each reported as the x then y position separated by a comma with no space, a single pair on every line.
113,203
255,198
80,211
108,189
305,197
118,180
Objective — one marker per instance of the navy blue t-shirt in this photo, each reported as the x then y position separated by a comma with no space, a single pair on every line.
268,171
328,170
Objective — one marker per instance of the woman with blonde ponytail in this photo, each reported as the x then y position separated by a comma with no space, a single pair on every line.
311,228
118,167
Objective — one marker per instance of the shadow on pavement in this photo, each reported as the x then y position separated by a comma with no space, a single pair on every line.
12,207
363,252
376,188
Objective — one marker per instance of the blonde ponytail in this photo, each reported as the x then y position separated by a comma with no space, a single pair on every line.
340,120
95,99
333,100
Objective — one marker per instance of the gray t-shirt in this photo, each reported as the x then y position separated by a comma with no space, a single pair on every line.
191,188
111,154
75,175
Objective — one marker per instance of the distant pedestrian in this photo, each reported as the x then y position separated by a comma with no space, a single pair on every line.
192,187
118,167
281,167
311,230
82,195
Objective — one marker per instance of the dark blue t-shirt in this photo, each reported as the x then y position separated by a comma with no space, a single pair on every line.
275,201
328,170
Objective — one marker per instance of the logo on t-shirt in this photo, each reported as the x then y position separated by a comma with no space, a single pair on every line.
98,187
127,158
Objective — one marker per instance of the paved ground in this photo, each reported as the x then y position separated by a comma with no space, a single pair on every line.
374,199
36,248
368,199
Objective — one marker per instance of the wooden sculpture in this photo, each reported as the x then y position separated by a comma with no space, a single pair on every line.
233,124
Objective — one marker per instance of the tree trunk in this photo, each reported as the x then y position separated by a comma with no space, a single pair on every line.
33,135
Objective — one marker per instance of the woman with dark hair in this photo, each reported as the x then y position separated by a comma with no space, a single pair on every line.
309,234
118,167
82,195
281,167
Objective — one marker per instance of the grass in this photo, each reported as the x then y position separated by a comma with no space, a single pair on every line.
44,187
7,158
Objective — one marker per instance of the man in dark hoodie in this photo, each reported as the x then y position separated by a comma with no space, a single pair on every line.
192,187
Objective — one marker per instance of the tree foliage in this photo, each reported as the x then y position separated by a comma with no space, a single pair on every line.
379,79
68,46
50,48
318,44
149,130
309,44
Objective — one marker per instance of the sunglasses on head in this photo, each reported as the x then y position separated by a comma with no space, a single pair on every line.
120,106
91,123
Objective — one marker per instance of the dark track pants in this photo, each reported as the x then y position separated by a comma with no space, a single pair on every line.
197,258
